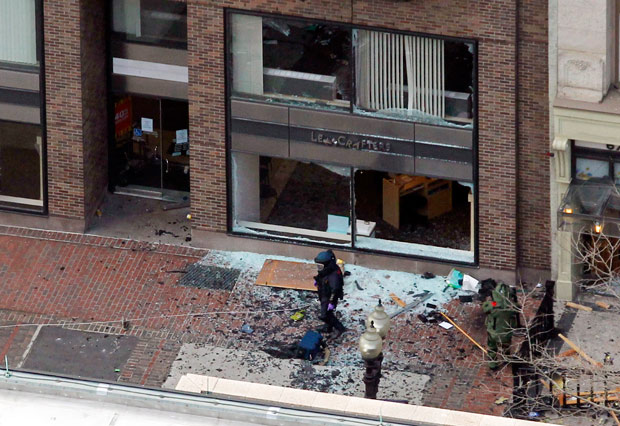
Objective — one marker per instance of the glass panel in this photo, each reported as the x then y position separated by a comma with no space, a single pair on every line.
413,78
293,62
293,199
151,21
175,146
18,34
586,168
137,150
21,164
617,173
414,215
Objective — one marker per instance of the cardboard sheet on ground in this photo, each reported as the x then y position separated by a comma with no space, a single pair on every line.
285,274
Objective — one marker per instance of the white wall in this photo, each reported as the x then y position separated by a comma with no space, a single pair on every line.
585,48
246,189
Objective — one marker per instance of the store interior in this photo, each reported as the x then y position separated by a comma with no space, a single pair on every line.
317,197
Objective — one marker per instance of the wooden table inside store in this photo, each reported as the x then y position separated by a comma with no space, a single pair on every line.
436,192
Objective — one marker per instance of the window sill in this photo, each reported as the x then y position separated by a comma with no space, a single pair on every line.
609,105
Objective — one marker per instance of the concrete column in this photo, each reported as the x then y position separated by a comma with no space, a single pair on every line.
247,52
246,189
585,48
565,287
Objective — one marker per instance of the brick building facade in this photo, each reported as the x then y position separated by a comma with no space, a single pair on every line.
510,129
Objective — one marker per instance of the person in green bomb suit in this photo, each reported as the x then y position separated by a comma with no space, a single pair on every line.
502,318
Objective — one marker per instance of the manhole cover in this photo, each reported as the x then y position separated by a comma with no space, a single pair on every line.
212,277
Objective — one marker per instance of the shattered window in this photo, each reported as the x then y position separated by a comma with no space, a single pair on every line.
291,61
397,213
414,215
293,199
413,78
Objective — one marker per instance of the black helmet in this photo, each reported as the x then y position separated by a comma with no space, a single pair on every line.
325,257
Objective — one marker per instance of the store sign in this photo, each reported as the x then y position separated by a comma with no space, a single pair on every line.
122,117
360,143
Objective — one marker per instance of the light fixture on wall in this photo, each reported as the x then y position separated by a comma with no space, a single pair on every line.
598,227
568,210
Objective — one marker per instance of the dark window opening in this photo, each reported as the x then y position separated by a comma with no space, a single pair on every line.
21,165
290,61
158,22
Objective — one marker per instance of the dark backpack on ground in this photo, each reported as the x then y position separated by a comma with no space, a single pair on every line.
310,345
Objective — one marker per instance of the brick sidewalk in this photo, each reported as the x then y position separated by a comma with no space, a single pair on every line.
77,280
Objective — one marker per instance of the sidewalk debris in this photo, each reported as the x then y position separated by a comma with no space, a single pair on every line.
428,275
455,279
602,304
445,325
470,283
578,306
466,299
570,352
471,339
398,300
247,329
501,400
579,351
297,316
359,287
412,305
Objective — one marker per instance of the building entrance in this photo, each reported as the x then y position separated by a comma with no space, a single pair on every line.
150,148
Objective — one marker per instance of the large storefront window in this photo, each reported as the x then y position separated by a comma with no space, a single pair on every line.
308,201
21,130
150,21
415,215
351,137
398,76
294,199
21,164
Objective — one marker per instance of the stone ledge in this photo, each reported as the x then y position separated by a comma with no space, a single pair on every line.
337,404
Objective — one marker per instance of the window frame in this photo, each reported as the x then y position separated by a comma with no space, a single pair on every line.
350,27
228,12
611,156
122,37
40,70
350,244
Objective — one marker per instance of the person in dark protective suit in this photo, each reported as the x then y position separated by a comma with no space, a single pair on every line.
329,284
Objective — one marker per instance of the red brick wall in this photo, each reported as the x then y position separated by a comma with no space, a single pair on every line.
63,92
534,214
94,103
76,110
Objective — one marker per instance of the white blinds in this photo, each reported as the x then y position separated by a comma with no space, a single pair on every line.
18,34
399,71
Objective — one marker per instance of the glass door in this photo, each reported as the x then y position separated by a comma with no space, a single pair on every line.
175,150
150,156
136,157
